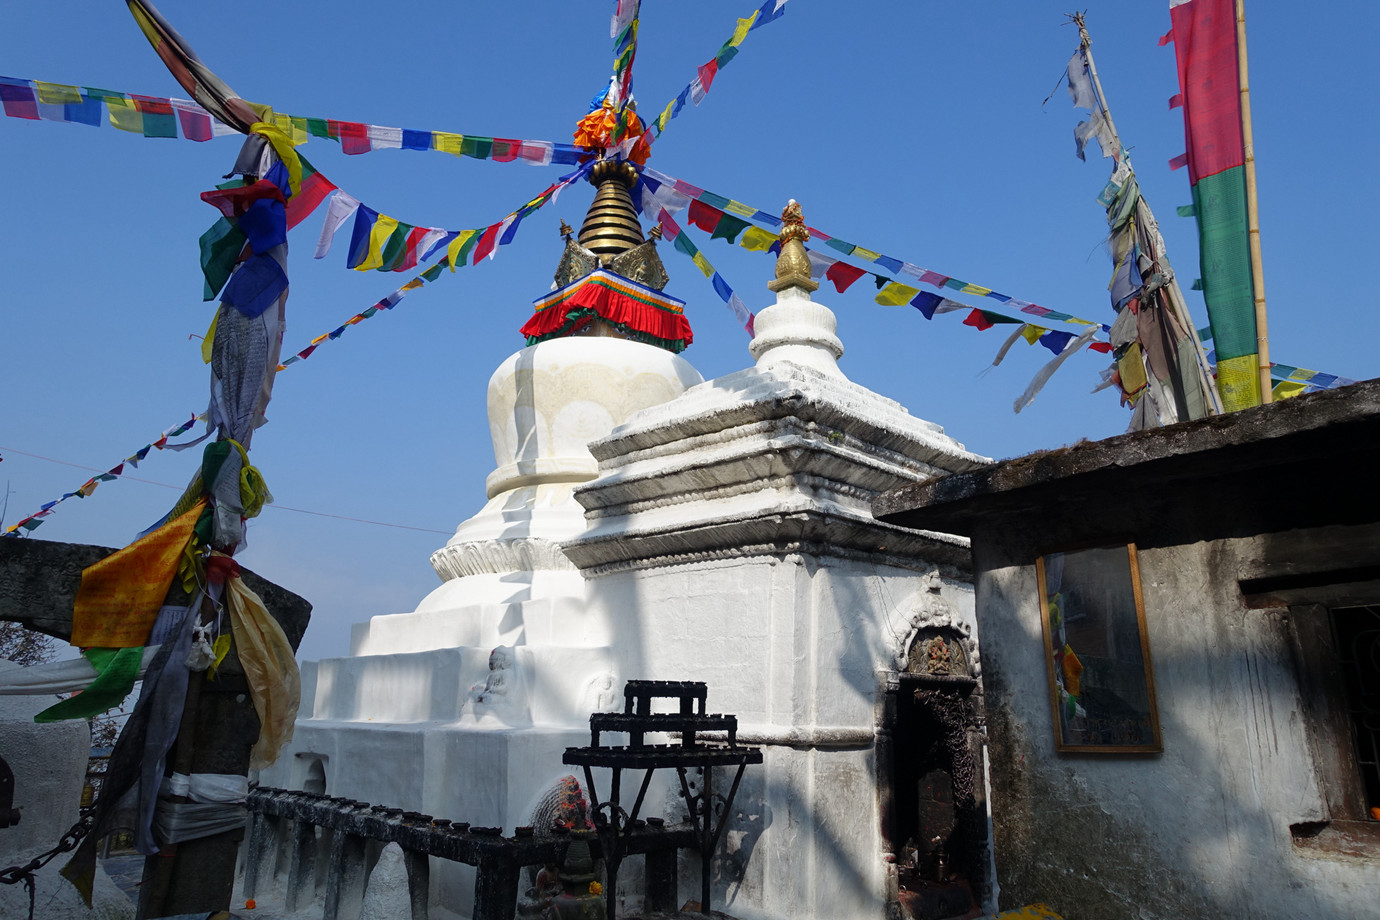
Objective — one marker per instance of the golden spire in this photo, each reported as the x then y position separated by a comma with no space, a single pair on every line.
611,226
793,263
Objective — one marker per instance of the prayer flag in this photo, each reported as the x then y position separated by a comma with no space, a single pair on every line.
757,239
843,275
979,321
120,596
895,294
1205,48
925,302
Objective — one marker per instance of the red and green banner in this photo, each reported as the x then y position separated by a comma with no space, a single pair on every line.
1205,44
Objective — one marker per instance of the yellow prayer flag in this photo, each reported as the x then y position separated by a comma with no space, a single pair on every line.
124,115
453,250
1079,322
974,289
411,285
895,294
1031,333
57,93
1300,373
320,338
867,254
1131,367
447,142
378,238
1287,388
209,342
744,26
120,596
703,264
1238,380
283,146
756,239
742,210
294,128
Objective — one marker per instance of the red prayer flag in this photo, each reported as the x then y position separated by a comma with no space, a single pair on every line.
1205,41
704,216
353,136
314,190
486,242
843,275
979,321
707,74
196,126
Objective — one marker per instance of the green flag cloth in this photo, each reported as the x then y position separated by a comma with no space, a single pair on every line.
117,669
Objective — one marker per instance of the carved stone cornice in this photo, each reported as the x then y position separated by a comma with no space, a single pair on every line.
499,557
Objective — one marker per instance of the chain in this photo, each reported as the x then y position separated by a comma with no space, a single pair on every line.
15,874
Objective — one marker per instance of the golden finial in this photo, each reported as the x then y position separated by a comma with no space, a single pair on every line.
611,226
793,263
655,232
566,230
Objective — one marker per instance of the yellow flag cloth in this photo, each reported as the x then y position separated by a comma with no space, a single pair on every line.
895,294
1131,367
1032,333
744,26
1239,382
457,244
124,115
378,238
757,240
275,685
976,289
1286,388
57,93
209,342
120,596
867,254
283,146
446,142
703,264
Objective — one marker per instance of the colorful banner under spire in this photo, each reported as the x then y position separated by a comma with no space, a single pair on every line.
1204,34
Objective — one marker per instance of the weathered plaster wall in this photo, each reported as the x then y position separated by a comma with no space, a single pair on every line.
1199,830
793,645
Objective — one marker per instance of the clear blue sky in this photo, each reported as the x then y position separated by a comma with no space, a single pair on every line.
912,128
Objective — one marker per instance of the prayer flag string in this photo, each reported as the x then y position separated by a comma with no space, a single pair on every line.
35,520
678,194
676,235
156,116
698,88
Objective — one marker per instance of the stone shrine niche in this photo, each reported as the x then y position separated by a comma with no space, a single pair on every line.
934,809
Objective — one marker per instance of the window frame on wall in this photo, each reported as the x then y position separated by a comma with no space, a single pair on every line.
1131,603
1348,826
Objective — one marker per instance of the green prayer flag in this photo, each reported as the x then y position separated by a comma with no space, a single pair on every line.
728,229
220,248
116,671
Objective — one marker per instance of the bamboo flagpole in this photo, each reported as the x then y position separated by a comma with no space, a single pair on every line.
1262,336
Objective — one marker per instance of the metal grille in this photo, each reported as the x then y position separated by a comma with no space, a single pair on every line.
1356,632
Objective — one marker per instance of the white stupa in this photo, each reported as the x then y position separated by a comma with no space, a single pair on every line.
642,523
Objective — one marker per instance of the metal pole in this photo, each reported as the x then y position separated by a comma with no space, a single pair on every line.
1262,337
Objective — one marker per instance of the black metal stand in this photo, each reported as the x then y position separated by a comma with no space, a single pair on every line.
637,720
